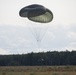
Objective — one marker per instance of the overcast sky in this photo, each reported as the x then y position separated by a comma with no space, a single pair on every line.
15,34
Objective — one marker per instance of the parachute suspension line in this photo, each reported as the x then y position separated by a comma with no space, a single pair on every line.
38,37
32,30
38,30
35,30
41,34
45,30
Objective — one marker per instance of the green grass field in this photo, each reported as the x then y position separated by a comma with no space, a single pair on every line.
38,70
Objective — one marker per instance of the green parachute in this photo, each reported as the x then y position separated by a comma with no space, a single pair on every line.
39,15
36,13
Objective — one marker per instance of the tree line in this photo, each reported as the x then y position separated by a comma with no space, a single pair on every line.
39,59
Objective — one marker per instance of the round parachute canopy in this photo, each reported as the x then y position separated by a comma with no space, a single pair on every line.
36,13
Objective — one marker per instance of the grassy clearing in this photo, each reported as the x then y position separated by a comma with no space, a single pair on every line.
38,70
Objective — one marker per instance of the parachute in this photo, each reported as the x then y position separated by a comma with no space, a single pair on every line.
37,14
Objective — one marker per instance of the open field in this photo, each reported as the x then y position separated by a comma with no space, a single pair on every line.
38,70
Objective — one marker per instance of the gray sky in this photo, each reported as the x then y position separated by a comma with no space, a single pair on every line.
15,36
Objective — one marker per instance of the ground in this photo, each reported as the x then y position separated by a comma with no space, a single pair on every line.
37,70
